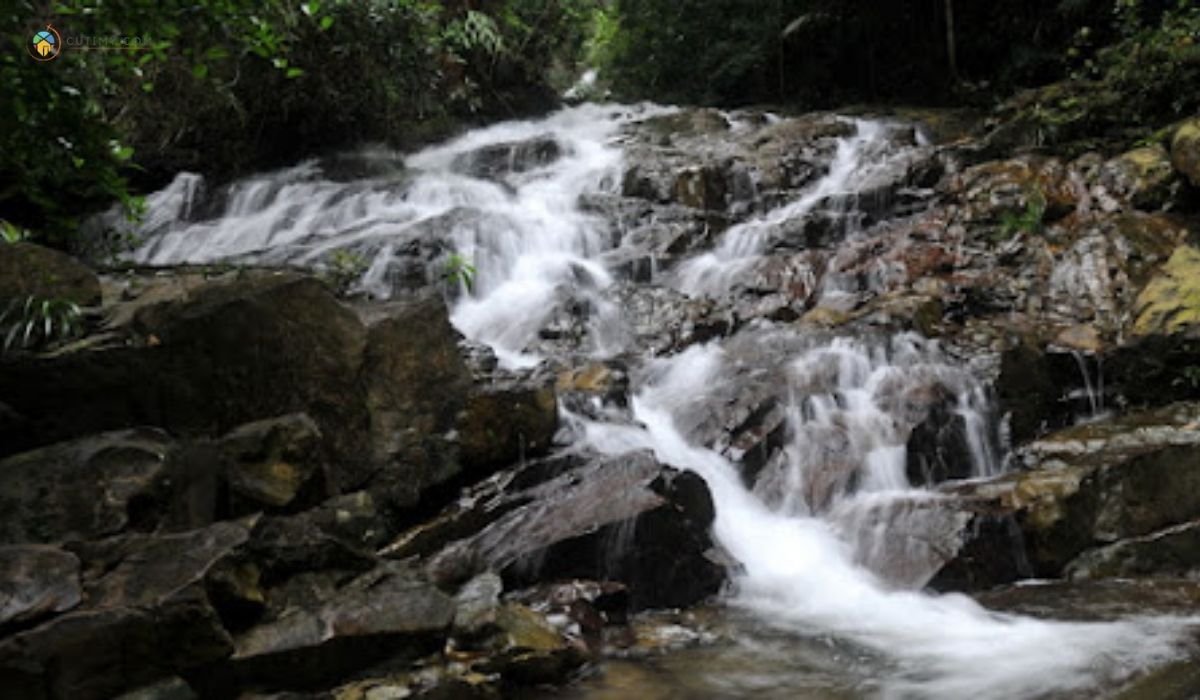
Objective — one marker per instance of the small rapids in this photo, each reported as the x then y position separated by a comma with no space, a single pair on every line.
831,540
800,573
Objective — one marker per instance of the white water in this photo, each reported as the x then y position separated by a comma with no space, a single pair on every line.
808,554
799,574
716,272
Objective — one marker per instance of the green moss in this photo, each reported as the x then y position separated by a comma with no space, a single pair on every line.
1170,303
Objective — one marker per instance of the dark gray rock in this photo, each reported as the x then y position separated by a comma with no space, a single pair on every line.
86,488
623,518
39,581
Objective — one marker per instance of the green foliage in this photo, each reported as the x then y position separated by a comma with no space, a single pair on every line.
1028,221
10,233
31,323
223,87
343,268
459,271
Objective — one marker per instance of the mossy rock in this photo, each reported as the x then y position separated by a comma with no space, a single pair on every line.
1185,150
1143,176
1170,303
32,270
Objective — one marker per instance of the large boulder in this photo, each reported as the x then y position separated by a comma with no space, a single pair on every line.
27,270
234,351
1109,487
505,423
416,385
623,518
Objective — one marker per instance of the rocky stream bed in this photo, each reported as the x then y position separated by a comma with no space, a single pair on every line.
630,401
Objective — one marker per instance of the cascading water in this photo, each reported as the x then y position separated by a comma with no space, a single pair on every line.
801,573
831,537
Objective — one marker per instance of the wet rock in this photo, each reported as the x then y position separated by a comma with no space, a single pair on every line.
477,604
502,424
904,540
700,188
146,599
272,459
624,519
1170,303
1091,486
583,610
1154,370
1171,552
1185,150
497,160
662,320
592,389
753,442
389,614
38,581
28,270
527,650
1031,390
83,489
416,384
938,449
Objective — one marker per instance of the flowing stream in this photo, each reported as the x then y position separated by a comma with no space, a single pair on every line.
831,539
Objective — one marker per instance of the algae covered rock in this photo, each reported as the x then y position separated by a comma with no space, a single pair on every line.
1170,303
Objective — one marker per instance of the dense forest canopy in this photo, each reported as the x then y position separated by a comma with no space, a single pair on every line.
228,86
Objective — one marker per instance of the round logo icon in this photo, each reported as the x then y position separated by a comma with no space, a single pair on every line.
46,44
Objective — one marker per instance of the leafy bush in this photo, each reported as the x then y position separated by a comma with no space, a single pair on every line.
223,87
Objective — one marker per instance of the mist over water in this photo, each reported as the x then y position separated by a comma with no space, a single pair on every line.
820,537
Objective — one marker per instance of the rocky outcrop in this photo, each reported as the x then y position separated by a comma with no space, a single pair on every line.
1093,498
29,270
623,518
233,351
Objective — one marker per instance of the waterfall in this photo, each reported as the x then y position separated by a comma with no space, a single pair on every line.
799,573
833,538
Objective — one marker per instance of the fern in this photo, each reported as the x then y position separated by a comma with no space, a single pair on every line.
459,271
